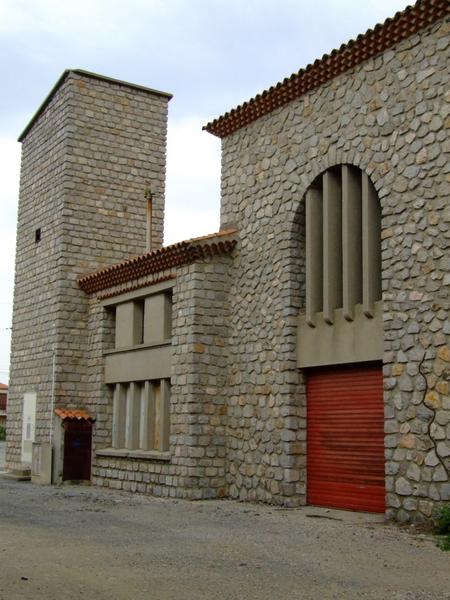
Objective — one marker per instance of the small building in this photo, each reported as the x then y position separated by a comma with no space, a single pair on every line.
3,403
300,355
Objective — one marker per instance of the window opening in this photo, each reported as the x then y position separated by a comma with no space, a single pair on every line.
141,415
343,251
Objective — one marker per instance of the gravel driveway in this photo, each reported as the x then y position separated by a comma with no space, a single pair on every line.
82,542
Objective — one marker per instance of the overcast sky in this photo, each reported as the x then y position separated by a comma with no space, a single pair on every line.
211,54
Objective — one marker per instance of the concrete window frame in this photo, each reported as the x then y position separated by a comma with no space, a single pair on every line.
141,420
342,321
138,370
343,250
143,317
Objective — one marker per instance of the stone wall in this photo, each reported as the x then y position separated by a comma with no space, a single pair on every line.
86,161
267,409
37,272
388,116
197,465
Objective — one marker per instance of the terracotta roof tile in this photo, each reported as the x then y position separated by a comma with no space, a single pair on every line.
168,257
210,236
67,414
373,42
3,386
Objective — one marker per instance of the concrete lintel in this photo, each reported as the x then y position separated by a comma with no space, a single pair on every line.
140,293
360,340
140,364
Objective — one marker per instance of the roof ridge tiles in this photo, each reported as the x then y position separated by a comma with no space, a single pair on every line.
367,45
158,260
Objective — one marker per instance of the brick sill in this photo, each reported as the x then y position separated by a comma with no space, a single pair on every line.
141,454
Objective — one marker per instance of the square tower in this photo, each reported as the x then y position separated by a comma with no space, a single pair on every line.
91,194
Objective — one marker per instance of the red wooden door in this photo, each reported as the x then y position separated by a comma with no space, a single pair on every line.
345,443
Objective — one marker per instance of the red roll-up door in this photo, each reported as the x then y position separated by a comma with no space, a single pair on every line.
345,442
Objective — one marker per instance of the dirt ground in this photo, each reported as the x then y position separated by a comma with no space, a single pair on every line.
82,542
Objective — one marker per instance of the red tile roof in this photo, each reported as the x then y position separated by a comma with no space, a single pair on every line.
373,42
3,386
73,414
168,257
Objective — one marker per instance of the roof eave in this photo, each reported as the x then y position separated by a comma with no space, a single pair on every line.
368,45
157,261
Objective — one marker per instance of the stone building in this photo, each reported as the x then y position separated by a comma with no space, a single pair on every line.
301,355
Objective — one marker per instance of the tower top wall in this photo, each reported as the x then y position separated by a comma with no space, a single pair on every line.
91,75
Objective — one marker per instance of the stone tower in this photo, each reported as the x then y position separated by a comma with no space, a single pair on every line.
91,194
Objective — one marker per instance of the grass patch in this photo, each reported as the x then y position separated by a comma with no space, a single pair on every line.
444,544
442,527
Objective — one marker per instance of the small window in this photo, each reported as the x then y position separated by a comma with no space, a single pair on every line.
139,326
37,235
